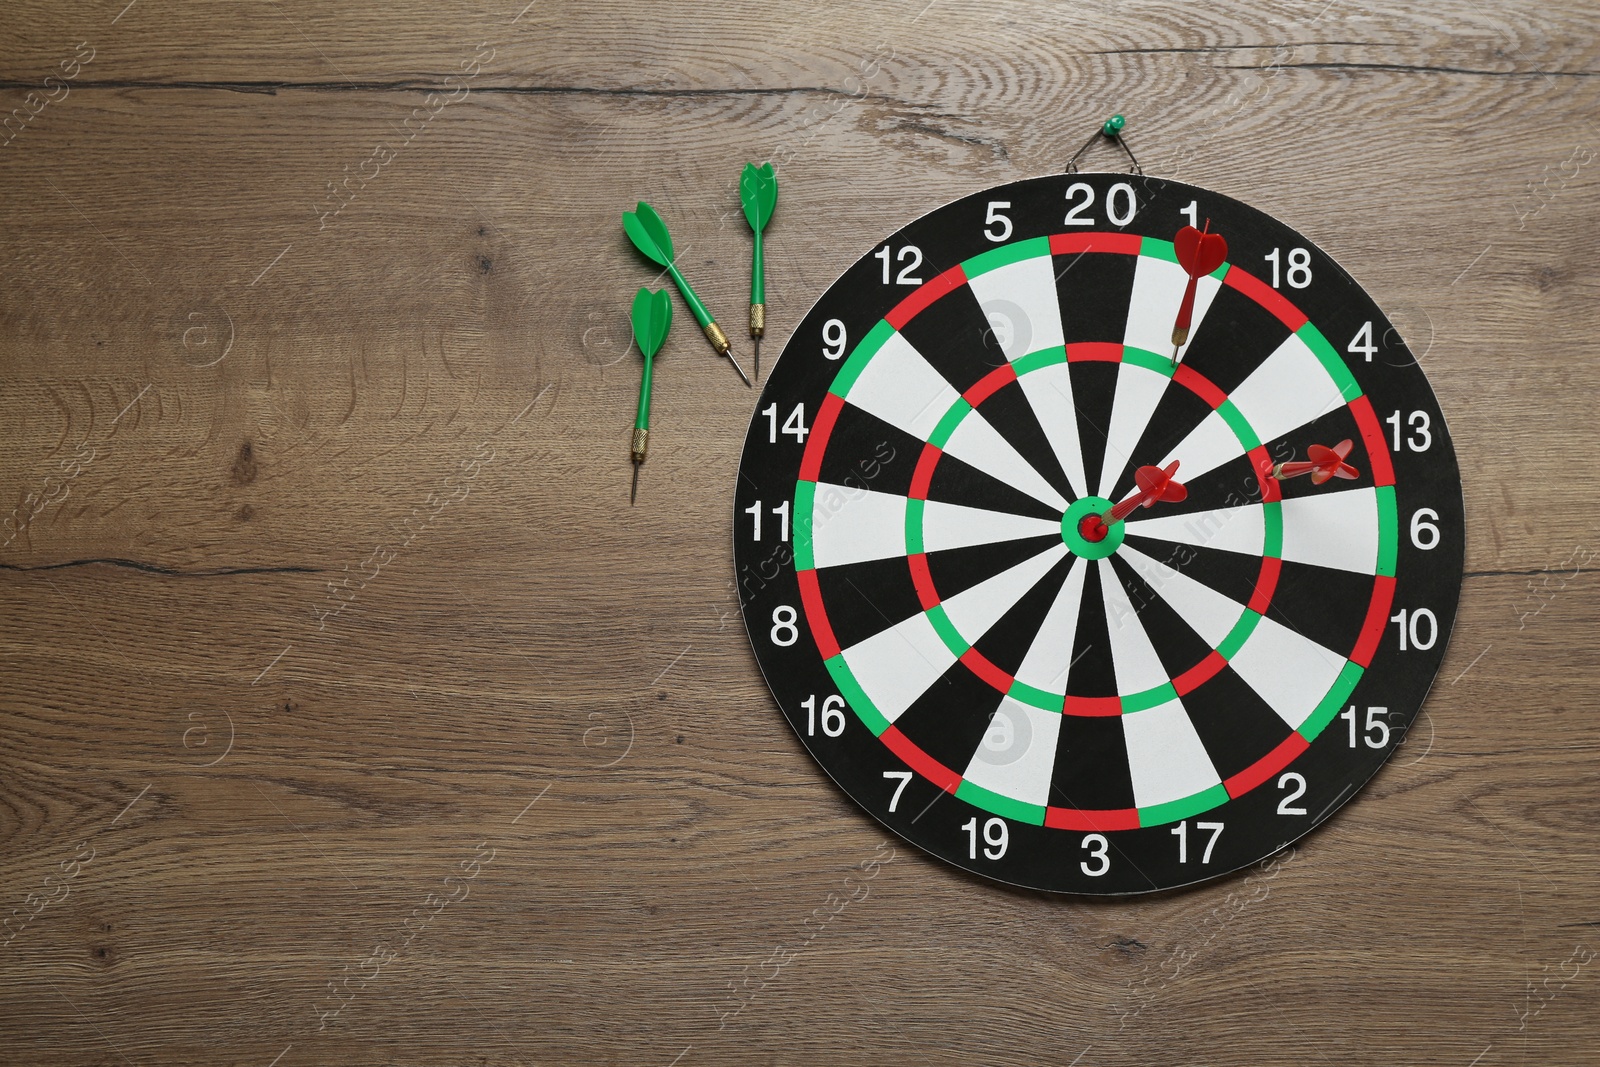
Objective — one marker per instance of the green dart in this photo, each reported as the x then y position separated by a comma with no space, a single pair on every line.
758,190
652,318
649,235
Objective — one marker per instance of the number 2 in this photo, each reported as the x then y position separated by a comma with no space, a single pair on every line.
1287,805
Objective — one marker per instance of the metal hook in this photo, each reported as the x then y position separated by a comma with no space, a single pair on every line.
1111,130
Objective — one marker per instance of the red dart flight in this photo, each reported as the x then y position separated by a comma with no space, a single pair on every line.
1323,464
1155,483
1199,253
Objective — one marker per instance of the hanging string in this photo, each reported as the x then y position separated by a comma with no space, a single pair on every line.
1111,130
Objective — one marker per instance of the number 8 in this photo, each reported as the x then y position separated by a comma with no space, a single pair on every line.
783,618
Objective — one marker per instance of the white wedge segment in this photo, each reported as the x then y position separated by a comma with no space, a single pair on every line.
1045,665
896,666
1139,390
1158,286
980,444
1333,529
957,526
1166,760
1017,754
1290,672
1207,447
1132,655
1208,612
1289,389
1049,393
901,388
973,611
851,525
1239,529
1019,300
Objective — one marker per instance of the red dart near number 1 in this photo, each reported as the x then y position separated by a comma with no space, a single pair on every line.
1199,253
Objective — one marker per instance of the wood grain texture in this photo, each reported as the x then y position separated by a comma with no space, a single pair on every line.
322,582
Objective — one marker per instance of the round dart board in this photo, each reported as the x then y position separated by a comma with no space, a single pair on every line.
1185,693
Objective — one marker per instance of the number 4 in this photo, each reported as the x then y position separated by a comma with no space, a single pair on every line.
1361,344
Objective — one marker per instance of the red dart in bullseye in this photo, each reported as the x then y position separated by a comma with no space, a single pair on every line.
1155,483
1199,253
1324,463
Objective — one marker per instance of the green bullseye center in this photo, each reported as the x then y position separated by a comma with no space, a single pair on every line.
1073,536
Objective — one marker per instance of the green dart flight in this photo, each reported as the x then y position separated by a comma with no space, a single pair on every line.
649,235
652,318
758,191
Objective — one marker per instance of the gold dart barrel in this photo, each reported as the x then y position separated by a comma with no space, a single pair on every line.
641,441
758,320
718,339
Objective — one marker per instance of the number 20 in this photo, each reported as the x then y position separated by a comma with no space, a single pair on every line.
1082,196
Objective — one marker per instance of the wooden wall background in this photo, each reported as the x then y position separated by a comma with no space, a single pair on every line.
322,586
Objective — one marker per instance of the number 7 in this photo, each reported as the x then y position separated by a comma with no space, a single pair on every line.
905,780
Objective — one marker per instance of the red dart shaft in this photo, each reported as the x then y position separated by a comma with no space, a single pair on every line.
1095,527
1294,469
1180,329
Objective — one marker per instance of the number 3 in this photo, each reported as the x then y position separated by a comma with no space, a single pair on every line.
1098,846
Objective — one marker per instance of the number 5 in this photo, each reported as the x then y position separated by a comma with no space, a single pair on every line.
994,218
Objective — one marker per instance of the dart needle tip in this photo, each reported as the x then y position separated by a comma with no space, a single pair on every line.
742,374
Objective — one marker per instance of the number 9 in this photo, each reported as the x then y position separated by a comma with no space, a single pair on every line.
833,338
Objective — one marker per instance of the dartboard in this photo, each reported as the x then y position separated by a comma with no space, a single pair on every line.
972,648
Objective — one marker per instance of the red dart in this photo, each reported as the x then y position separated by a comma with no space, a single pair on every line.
1325,463
1155,483
1199,253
